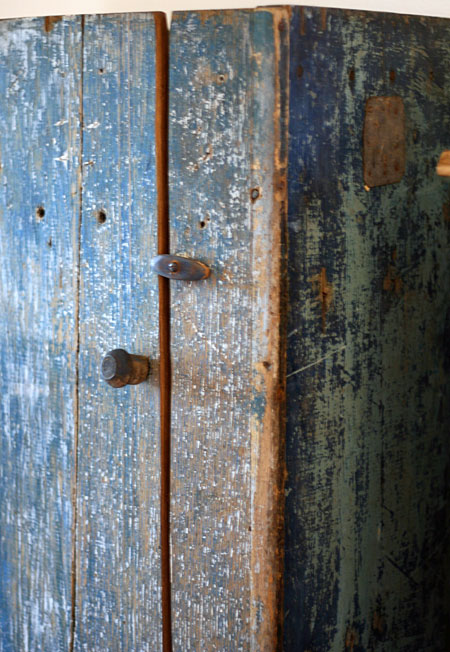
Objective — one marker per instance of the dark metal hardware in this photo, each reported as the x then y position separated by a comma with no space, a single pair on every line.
179,268
120,368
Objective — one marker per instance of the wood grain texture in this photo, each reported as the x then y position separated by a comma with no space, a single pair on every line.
118,559
39,211
367,511
226,199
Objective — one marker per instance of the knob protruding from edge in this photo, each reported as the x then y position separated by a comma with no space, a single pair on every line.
120,368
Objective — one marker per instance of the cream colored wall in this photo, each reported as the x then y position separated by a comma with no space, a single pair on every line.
13,8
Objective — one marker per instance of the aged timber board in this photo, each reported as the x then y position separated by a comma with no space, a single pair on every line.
39,210
118,560
367,522
227,166
77,227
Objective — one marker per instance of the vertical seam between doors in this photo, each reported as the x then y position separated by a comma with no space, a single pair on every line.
77,356
162,187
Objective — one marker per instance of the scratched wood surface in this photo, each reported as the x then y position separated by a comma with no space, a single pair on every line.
39,209
118,566
227,159
367,509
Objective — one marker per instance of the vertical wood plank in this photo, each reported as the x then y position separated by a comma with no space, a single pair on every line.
39,211
118,559
226,192
367,506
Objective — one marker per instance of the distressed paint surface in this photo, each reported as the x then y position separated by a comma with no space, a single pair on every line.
118,564
39,210
224,142
367,527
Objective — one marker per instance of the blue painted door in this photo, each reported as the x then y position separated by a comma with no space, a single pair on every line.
79,476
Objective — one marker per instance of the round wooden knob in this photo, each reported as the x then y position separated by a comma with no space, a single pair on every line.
120,368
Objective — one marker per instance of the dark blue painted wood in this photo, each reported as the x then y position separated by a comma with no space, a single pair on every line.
367,505
39,212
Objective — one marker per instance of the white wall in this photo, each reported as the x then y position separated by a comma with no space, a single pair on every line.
13,8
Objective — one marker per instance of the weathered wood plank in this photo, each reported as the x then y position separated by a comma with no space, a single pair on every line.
227,165
39,212
118,560
367,538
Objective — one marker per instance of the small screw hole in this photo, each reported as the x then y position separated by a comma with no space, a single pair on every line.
49,242
101,216
254,194
202,224
101,71
40,212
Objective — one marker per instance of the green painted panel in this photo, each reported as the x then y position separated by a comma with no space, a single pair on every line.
367,509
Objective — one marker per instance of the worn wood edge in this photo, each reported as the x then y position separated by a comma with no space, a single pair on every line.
443,166
268,436
162,189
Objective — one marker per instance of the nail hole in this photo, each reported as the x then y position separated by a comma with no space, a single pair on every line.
299,71
220,78
254,194
49,242
202,224
101,71
392,75
351,75
40,212
101,216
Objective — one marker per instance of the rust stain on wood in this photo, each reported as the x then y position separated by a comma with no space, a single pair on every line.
351,639
378,623
446,211
392,282
384,160
50,22
324,292
302,22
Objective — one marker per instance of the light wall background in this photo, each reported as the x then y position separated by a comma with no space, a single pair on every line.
16,8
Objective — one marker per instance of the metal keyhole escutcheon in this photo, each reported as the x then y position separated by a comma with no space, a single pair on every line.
120,368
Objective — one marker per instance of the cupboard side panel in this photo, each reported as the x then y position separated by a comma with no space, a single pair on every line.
368,393
118,558
39,211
